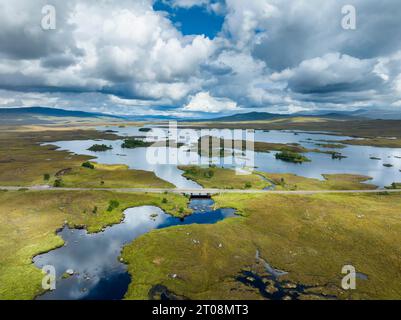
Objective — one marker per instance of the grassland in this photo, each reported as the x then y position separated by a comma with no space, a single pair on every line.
110,176
29,220
25,162
375,142
310,237
289,181
221,178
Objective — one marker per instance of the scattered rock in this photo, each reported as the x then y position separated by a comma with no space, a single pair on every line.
271,289
289,285
69,272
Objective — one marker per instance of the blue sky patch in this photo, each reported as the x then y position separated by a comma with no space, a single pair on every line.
194,20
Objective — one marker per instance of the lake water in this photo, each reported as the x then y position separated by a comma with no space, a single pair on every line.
358,159
94,258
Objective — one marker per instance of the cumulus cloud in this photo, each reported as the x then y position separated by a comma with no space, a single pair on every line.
331,72
122,45
204,102
271,55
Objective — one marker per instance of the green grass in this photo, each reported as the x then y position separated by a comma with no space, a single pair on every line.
29,220
132,143
311,237
375,142
27,163
221,178
289,156
113,176
289,181
331,145
100,148
24,162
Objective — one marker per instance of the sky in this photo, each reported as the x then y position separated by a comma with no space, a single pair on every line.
205,58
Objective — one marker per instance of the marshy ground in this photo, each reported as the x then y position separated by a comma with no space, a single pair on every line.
310,237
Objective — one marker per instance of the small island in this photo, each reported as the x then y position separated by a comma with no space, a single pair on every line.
132,143
294,157
331,145
100,148
337,155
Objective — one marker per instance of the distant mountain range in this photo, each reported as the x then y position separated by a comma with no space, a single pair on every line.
385,114
51,112
38,115
263,116
42,115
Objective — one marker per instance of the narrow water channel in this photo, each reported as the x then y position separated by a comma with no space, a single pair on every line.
94,258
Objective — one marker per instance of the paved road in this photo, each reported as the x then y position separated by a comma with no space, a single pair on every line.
194,191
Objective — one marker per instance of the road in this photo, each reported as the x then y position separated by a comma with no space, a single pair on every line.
195,191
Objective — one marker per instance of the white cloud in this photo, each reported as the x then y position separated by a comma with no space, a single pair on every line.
333,71
271,55
204,102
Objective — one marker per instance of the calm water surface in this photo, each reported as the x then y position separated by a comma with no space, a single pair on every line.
94,258
358,159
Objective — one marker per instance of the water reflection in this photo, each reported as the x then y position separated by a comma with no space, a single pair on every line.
98,273
358,159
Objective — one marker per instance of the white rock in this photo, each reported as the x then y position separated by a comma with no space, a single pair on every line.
70,272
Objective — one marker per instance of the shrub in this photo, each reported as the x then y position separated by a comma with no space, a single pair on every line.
113,204
248,185
289,156
134,143
58,183
46,177
88,165
209,174
164,200
100,147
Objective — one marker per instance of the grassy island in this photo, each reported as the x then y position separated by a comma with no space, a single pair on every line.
294,157
132,143
100,148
